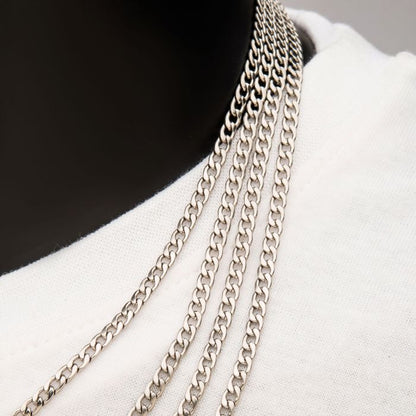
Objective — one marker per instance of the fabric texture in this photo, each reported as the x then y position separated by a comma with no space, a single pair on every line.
340,331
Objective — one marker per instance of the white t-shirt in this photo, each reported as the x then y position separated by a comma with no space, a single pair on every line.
340,331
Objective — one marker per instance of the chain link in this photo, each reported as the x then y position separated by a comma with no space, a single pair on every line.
273,69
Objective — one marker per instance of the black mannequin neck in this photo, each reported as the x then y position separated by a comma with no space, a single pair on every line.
104,103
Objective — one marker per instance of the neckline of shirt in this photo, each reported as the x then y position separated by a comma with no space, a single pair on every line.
322,33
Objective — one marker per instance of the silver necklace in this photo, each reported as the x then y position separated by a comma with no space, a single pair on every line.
272,75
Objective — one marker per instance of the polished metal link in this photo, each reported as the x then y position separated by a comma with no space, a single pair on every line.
273,69
247,222
206,277
274,228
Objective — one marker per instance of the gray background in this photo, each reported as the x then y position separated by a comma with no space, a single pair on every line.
390,25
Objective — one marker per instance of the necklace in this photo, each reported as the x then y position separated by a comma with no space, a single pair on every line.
272,75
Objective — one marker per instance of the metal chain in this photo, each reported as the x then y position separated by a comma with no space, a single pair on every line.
171,251
274,64
209,267
274,228
247,223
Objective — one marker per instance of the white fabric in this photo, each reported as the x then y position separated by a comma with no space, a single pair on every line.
340,333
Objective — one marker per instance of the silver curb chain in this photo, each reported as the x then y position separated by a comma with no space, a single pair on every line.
274,227
246,226
201,293
272,73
